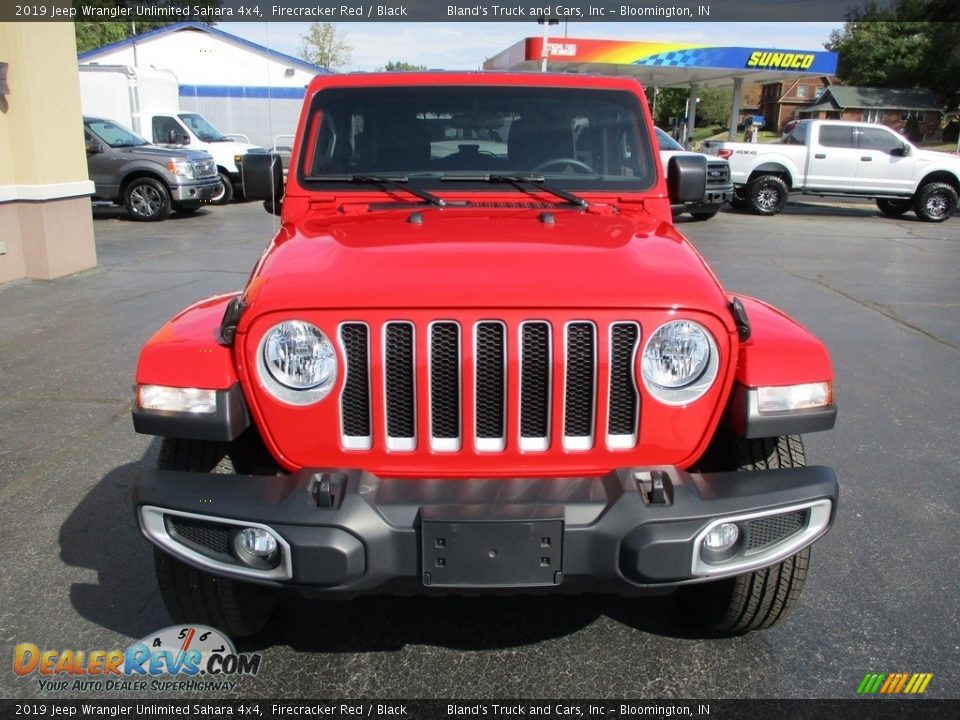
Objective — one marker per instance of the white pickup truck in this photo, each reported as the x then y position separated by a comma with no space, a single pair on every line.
832,157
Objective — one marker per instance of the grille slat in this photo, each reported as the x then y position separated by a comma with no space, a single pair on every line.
445,386
535,363
490,394
355,400
624,399
580,389
400,386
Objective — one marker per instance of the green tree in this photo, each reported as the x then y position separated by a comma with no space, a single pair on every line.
401,66
323,45
671,103
714,106
910,43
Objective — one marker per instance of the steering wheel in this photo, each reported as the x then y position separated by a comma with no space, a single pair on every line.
579,165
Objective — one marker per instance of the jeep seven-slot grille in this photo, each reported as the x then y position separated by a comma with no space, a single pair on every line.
552,363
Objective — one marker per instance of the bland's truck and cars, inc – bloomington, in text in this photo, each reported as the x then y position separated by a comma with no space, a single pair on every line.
478,357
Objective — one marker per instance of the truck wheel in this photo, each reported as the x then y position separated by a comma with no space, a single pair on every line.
704,214
147,199
893,208
935,202
226,193
740,201
767,194
237,608
763,598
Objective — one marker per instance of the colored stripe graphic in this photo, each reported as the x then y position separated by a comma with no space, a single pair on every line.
894,683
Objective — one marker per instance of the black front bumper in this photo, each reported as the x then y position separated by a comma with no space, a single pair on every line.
350,532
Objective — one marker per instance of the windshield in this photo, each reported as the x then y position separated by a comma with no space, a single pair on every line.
201,127
666,142
114,135
577,138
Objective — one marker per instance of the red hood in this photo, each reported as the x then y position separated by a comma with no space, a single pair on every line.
482,258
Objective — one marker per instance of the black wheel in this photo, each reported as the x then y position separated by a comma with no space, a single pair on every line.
893,208
767,194
186,208
704,214
740,201
935,202
237,608
225,195
763,598
147,199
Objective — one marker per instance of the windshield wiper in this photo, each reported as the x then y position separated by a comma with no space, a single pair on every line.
398,181
537,181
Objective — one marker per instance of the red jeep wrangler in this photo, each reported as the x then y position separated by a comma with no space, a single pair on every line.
478,357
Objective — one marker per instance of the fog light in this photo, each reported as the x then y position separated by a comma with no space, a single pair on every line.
722,537
258,542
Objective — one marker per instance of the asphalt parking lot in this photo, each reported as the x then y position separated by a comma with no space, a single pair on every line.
882,595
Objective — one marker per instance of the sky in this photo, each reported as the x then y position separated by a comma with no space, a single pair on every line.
465,45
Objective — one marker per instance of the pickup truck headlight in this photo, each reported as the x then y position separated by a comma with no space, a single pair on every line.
297,362
181,168
679,362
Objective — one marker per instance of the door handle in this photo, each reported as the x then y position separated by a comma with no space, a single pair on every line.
866,158
820,156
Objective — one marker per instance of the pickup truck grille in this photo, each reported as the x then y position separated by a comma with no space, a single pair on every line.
204,169
537,372
718,174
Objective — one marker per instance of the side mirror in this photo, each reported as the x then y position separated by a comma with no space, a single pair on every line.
902,151
262,175
687,178
93,147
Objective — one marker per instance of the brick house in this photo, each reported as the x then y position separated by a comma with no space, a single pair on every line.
780,101
892,107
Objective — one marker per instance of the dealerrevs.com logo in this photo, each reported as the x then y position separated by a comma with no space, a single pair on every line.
184,658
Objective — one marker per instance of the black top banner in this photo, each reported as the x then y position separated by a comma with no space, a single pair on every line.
434,10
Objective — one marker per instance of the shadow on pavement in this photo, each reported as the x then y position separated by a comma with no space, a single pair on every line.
101,535
115,212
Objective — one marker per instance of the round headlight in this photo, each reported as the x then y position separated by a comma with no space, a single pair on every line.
296,356
679,362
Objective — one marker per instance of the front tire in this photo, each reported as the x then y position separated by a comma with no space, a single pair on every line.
147,199
237,608
935,202
225,196
763,598
767,194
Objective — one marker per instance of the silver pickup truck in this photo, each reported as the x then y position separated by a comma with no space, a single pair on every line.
833,157
149,181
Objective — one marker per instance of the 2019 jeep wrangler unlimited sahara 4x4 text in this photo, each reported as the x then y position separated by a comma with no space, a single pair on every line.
477,356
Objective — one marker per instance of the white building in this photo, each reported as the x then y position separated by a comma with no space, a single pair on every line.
240,86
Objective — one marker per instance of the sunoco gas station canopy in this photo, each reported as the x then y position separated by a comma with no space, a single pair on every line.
664,64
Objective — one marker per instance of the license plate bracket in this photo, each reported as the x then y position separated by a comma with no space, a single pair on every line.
496,553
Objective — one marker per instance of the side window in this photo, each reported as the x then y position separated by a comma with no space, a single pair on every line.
877,139
166,130
838,136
